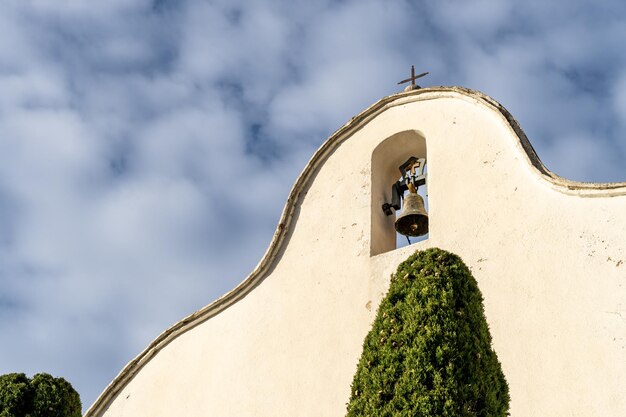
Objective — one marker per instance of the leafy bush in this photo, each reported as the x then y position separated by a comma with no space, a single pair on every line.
41,396
429,352
16,395
54,397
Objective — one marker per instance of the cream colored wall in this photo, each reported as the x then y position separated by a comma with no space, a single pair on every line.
549,256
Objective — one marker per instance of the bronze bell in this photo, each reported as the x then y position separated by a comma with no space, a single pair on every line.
414,220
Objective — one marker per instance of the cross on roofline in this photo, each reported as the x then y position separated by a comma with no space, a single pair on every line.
413,77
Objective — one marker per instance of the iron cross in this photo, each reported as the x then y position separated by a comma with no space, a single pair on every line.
413,77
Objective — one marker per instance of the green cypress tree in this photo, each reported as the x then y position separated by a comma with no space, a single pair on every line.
429,351
41,396
54,397
16,395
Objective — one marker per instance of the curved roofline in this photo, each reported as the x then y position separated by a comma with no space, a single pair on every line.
260,272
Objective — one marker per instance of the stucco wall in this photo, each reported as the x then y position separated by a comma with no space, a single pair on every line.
549,256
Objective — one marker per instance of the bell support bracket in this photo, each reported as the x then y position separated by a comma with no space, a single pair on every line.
411,178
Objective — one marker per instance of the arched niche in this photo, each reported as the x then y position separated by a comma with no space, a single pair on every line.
386,158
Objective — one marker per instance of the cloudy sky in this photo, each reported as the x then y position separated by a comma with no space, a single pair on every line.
147,146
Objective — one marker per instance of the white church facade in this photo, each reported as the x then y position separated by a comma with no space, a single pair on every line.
549,256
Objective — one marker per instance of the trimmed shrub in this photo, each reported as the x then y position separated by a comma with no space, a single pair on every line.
41,396
54,397
429,351
16,395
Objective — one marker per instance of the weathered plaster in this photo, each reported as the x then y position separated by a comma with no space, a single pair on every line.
549,255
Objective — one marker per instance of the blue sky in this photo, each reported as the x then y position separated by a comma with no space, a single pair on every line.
147,147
